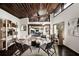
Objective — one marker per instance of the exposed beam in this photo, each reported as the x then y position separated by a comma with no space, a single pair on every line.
22,10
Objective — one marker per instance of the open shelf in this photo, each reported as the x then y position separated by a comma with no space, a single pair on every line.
8,31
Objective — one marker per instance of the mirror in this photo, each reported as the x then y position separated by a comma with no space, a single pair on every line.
23,27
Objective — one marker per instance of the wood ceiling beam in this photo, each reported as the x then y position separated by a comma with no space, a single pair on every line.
14,6
22,10
25,7
6,8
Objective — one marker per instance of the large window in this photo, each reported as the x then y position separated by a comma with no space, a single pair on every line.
57,10
61,7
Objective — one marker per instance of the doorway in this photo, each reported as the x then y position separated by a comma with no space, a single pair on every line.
58,30
39,29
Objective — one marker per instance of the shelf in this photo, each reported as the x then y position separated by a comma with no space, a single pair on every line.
3,39
9,38
12,28
7,28
3,48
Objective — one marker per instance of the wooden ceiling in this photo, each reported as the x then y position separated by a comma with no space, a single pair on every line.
23,10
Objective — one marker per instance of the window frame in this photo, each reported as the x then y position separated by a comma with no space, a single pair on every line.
62,9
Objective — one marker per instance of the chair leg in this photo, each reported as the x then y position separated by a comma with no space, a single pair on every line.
54,50
48,52
38,50
30,49
17,53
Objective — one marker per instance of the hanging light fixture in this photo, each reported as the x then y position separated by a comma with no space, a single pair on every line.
42,11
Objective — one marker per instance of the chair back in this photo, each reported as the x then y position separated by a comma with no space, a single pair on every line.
43,36
49,45
19,46
33,43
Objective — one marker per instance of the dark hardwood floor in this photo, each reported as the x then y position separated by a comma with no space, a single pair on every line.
65,51
62,50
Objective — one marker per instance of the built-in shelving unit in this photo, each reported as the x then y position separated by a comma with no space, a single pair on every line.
8,31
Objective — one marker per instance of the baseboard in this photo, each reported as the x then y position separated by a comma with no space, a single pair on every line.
71,49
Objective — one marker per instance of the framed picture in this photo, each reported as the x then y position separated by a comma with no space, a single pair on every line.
23,27
73,27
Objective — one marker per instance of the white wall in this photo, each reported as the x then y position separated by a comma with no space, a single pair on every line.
38,22
51,26
68,14
24,21
5,15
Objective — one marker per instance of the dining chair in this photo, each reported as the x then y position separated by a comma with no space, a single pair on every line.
47,48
